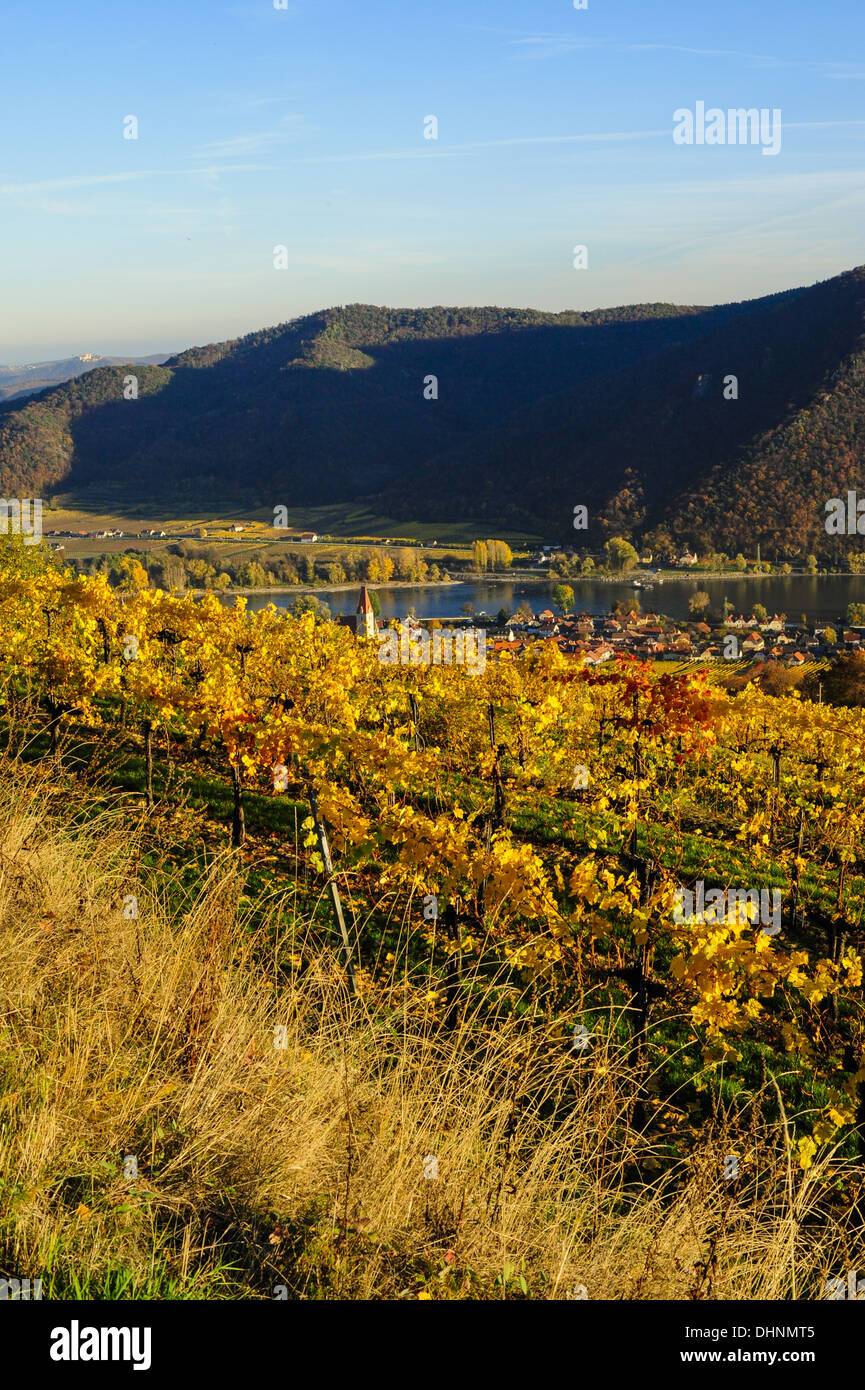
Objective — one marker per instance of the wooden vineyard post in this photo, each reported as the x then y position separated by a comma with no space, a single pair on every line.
238,819
637,773
415,715
796,874
106,645
499,808
640,1039
454,966
324,849
147,729
498,786
775,751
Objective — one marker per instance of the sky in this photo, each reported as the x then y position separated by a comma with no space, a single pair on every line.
304,127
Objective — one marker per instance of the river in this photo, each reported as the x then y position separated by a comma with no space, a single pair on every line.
821,597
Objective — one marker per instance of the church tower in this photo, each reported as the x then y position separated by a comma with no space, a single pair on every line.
365,619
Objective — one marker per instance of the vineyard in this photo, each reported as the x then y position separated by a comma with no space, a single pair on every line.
453,906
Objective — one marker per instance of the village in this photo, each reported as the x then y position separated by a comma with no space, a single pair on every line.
653,637
646,636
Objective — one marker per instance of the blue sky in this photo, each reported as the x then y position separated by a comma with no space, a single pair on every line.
304,127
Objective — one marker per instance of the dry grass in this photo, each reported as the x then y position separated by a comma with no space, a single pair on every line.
303,1165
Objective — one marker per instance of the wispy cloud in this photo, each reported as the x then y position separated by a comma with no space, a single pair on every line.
455,151
510,142
262,13
91,180
254,143
762,60
549,45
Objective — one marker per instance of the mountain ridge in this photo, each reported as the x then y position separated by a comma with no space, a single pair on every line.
26,378
622,409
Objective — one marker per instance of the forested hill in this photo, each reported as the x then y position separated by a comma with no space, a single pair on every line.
623,410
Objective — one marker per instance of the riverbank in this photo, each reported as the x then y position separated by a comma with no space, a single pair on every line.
536,579
823,598
354,587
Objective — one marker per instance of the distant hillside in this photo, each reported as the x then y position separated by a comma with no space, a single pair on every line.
24,380
622,410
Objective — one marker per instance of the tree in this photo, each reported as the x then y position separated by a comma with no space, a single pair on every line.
844,683
761,613
587,565
563,598
621,555
172,574
481,555
699,602
379,567
254,576
200,571
855,614
405,561
740,563
500,555
811,564
135,575
308,603
830,637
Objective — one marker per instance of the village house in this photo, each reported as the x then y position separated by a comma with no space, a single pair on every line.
598,655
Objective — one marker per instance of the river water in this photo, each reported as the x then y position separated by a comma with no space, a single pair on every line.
820,597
